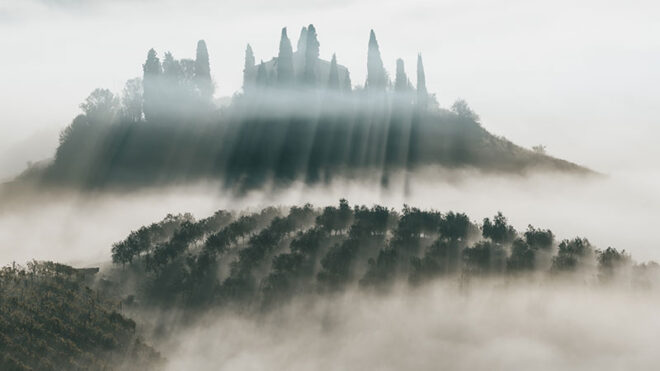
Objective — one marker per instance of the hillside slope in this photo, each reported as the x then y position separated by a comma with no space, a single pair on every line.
247,150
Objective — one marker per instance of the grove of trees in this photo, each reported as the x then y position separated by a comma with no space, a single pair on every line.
259,259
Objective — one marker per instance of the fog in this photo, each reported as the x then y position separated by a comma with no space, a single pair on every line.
495,324
80,228
580,79
482,326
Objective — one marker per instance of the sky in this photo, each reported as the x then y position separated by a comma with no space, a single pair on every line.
580,77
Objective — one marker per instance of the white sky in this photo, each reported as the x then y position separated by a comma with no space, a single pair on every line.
581,77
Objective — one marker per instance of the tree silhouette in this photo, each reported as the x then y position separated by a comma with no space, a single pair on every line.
101,106
248,69
499,231
131,100
172,71
347,85
302,41
285,73
463,110
522,256
572,254
152,83
611,262
203,71
311,56
262,75
376,75
401,83
333,76
422,93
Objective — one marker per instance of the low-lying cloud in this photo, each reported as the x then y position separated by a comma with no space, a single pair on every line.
487,325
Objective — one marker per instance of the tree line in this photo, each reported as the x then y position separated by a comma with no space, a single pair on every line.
299,119
261,258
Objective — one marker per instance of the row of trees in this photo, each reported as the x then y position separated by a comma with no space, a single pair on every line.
178,90
170,90
262,258
304,69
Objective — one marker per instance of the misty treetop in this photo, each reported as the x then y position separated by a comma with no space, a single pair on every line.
297,118
260,258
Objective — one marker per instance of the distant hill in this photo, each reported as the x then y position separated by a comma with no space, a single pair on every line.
247,151
36,147
297,118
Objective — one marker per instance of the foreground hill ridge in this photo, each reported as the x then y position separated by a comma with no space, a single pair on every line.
297,118
261,258
169,274
50,319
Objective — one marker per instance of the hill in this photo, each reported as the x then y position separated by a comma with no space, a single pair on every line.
51,320
180,274
298,118
258,259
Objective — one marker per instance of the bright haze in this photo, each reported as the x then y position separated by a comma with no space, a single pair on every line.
580,78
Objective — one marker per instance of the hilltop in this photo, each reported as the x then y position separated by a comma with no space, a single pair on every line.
297,118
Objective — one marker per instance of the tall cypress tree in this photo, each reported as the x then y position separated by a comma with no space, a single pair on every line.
311,56
151,80
422,93
401,82
203,71
376,75
348,85
285,61
248,69
302,41
262,75
333,76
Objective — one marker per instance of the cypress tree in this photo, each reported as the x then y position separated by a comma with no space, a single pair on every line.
178,91
302,41
311,56
171,67
285,61
333,77
422,94
248,69
376,75
151,80
203,71
401,82
170,90
262,75
348,86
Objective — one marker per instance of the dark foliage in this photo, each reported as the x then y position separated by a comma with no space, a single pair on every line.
51,320
572,255
266,257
